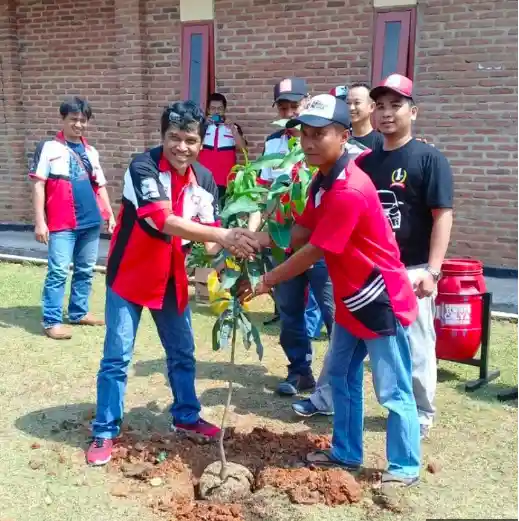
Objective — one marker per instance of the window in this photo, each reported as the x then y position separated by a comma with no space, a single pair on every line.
197,61
393,48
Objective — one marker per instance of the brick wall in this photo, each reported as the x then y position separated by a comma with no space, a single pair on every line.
124,56
466,72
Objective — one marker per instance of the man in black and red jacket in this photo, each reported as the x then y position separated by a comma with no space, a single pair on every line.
165,190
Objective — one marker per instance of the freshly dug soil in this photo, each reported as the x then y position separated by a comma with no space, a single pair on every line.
274,460
307,487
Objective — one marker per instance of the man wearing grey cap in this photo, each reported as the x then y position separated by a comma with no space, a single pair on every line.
290,97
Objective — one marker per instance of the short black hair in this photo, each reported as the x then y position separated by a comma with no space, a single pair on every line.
183,115
360,85
73,105
216,96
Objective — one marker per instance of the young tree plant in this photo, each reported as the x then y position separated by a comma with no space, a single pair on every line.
279,204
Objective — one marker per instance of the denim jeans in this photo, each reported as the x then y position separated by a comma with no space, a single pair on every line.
79,247
313,317
390,359
291,303
176,334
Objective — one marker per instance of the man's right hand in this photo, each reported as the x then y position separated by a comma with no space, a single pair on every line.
41,232
239,241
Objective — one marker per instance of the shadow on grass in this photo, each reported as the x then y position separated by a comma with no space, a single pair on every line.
247,375
24,317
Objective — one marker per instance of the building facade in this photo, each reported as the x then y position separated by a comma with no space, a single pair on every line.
131,57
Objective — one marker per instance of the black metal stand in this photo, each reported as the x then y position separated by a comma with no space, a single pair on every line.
509,395
485,375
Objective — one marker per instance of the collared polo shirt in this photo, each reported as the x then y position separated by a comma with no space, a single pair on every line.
371,287
72,175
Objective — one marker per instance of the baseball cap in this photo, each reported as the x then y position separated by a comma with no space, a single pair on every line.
323,110
340,91
395,83
290,89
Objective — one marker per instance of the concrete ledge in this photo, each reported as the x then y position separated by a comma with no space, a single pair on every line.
505,317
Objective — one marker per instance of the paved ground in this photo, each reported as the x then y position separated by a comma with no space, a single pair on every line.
22,243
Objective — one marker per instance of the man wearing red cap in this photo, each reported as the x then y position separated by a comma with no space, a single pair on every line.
414,182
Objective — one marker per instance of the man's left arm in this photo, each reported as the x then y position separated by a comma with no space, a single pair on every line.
439,197
100,180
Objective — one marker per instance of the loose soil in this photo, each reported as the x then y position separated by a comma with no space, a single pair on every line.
168,469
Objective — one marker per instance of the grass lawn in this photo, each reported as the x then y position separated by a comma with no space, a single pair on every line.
46,386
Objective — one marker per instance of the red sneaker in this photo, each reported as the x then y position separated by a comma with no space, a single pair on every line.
201,427
100,451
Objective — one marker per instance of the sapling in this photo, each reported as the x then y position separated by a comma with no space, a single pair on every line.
278,204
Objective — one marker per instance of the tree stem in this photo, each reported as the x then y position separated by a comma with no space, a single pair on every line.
223,458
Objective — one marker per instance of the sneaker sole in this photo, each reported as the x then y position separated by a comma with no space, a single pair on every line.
196,436
99,463
317,413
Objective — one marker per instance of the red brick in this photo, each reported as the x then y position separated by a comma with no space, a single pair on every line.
124,56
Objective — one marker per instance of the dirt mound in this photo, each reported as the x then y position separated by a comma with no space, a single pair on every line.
203,511
255,450
304,486
172,466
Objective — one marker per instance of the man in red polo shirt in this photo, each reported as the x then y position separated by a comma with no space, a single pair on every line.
164,191
344,221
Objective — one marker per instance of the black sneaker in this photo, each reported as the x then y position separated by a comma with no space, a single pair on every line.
295,384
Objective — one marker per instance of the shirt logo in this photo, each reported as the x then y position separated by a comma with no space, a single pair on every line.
150,189
398,178
391,206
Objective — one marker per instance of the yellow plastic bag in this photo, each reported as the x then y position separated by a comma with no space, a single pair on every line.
215,293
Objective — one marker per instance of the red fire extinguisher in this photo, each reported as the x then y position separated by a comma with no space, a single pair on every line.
459,309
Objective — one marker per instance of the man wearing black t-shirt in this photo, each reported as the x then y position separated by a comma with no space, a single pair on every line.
361,109
415,186
414,183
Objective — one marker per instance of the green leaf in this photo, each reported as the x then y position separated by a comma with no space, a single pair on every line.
243,204
281,180
267,262
229,279
216,334
292,158
246,330
254,333
278,254
226,328
280,233
268,161
163,456
305,176
293,142
254,271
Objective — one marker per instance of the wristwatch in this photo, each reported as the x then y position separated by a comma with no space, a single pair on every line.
436,275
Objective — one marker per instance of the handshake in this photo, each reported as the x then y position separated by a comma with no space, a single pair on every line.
242,242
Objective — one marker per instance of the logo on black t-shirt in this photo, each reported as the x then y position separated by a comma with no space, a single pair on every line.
391,206
398,177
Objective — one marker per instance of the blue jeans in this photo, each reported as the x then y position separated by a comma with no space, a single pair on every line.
313,317
176,335
291,303
79,247
390,359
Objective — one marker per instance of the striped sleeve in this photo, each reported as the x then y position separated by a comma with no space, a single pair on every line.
40,165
